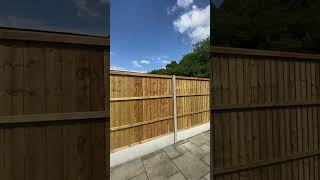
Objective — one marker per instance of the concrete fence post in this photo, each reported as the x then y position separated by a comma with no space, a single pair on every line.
174,98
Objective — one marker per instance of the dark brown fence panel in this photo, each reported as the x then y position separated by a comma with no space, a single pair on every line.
53,115
265,114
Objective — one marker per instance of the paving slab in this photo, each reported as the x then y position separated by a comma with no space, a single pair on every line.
207,176
127,171
142,176
185,160
206,159
159,167
199,139
191,167
171,152
195,150
182,149
205,148
177,176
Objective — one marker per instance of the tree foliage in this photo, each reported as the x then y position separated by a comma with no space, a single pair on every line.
194,64
282,25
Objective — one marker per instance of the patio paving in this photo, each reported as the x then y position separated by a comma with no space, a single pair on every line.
186,160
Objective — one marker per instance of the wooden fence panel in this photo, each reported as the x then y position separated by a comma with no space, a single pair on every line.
51,124
264,109
141,106
192,102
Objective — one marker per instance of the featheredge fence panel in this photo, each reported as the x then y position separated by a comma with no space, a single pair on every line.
141,106
52,125
265,114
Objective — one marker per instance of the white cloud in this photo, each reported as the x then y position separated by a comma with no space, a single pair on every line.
165,61
180,4
145,62
195,23
184,3
136,64
117,68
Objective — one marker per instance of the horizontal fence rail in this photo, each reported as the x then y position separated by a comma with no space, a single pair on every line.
141,106
265,112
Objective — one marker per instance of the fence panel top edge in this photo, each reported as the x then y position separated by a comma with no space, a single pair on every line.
265,53
52,37
127,73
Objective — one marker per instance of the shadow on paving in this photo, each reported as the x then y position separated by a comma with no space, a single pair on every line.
186,160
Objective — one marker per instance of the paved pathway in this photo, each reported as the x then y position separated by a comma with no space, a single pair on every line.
187,160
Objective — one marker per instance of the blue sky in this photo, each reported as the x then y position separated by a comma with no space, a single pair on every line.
148,34
89,17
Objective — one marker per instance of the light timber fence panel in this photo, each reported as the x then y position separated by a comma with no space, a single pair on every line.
52,111
265,114
142,106
192,102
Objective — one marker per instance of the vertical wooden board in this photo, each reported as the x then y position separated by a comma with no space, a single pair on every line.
248,115
269,125
53,66
304,119
69,76
55,154
84,150
18,153
83,78
262,100
241,117
275,99
216,80
71,161
37,149
34,98
98,150
225,116
17,79
309,98
2,153
5,80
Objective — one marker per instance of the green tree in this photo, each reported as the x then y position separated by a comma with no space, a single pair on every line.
282,25
194,64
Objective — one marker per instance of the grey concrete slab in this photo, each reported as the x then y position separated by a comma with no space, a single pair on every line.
182,149
142,176
206,159
184,160
191,167
152,154
207,176
159,167
199,139
205,148
127,170
177,176
171,152
195,150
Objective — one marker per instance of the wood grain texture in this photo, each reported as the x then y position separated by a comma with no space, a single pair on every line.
265,107
52,126
141,106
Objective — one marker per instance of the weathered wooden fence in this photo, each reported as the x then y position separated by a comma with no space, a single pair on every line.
52,110
142,106
265,113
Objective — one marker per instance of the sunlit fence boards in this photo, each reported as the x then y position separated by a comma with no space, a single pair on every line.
141,106
266,112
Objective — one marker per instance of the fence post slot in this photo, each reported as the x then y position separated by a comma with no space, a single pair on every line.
174,98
